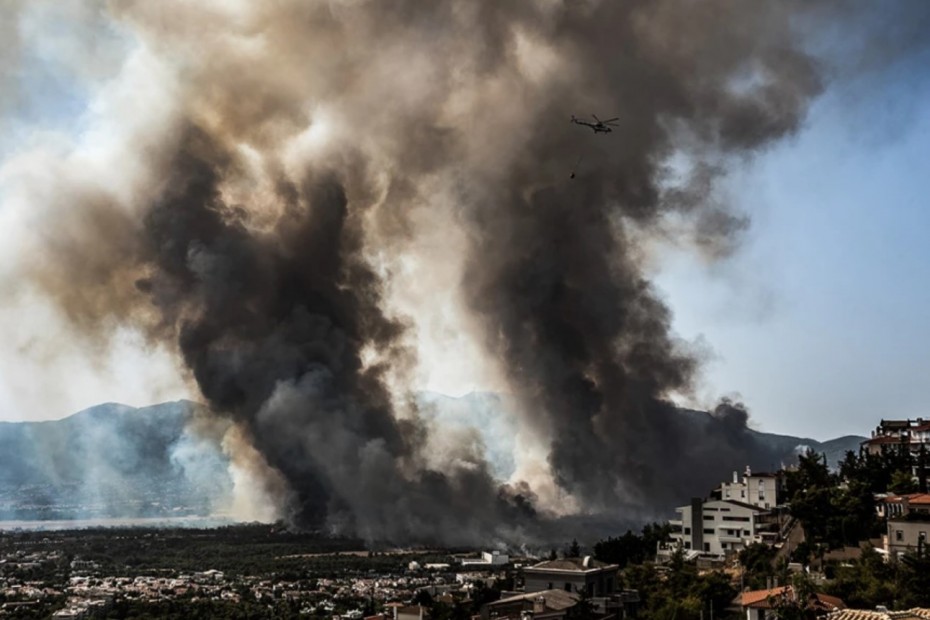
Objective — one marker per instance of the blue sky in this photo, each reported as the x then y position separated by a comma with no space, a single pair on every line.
818,322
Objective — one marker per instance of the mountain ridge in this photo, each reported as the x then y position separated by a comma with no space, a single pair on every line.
115,460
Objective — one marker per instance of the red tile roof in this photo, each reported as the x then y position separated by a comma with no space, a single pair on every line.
761,599
884,439
918,499
915,613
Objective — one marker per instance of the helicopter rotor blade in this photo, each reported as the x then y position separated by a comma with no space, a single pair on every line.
610,120
596,118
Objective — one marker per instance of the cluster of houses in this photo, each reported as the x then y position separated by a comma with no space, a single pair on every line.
907,516
738,513
750,508
553,587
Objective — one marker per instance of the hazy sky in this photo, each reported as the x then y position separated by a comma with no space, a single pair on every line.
818,321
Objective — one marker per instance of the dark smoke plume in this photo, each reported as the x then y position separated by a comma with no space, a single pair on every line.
292,152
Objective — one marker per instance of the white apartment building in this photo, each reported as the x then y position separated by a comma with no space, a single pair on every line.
493,558
719,526
760,489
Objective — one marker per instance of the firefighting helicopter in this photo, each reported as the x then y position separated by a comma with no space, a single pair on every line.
598,127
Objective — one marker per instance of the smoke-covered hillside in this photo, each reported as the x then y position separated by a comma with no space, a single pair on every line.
118,461
110,461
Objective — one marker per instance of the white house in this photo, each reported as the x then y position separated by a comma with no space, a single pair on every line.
719,526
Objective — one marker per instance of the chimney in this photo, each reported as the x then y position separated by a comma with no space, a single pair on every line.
539,604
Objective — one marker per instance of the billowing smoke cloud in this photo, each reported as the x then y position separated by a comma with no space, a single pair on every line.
271,172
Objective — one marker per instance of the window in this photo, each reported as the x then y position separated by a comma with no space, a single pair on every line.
898,535
706,546
687,530
687,544
745,532
922,536
708,517
550,585
708,530
568,587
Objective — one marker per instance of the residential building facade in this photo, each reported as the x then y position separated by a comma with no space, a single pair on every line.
898,434
718,527
572,575
908,523
764,490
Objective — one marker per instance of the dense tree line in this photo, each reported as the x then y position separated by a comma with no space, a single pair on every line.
632,548
872,581
838,509
679,591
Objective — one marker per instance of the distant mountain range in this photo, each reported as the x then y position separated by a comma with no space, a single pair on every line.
110,461
118,461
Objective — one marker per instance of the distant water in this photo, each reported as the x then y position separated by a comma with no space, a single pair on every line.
146,522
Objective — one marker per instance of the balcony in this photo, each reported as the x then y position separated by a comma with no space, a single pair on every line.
730,538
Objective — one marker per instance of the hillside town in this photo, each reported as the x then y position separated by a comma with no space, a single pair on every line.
800,542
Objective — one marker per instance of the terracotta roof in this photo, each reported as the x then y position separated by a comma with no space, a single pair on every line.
753,597
760,599
916,613
885,439
918,499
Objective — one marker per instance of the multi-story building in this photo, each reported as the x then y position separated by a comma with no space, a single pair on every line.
763,490
721,526
898,434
